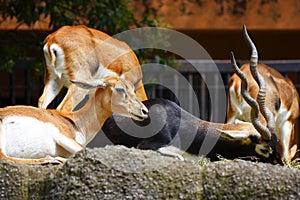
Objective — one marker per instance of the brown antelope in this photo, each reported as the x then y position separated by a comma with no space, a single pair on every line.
36,135
282,100
183,130
82,53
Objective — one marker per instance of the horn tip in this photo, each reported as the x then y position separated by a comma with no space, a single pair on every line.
245,31
232,58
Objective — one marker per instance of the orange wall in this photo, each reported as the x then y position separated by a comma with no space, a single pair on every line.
274,26
280,15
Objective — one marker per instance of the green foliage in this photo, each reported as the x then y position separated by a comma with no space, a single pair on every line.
111,16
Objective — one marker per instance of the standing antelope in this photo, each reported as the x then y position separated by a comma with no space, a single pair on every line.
82,53
244,140
282,100
37,135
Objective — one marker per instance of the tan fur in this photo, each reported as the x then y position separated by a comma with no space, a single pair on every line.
50,116
87,121
85,50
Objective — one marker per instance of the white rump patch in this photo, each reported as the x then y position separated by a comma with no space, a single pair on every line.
55,60
27,137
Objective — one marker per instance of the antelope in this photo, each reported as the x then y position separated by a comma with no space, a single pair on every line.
36,135
282,100
242,140
82,53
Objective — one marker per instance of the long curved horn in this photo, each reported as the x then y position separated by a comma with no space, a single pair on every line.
261,96
265,133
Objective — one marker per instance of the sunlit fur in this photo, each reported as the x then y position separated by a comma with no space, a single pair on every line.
33,135
82,53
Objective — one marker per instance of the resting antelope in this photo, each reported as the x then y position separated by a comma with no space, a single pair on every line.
36,135
232,140
82,53
282,100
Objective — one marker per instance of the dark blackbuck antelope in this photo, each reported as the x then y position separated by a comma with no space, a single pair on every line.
170,125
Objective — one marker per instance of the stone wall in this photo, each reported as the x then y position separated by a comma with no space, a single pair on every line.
116,172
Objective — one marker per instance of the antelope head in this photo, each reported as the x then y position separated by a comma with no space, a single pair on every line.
121,98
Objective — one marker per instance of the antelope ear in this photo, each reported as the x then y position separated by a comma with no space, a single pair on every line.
236,136
134,75
90,84
233,135
237,121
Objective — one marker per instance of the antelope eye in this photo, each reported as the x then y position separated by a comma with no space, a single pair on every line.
120,90
264,150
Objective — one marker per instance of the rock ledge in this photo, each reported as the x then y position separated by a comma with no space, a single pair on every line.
116,172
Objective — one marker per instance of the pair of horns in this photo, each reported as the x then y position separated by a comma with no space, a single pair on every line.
259,104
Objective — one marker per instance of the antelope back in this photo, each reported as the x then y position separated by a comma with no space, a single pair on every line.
82,53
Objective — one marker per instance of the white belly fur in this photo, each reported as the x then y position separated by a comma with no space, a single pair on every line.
27,137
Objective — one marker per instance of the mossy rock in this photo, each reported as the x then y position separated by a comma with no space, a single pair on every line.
116,172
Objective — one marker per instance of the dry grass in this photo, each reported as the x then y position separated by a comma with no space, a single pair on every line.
202,161
295,164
